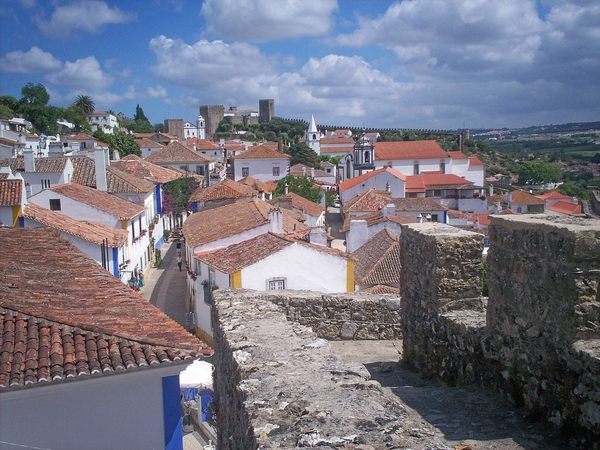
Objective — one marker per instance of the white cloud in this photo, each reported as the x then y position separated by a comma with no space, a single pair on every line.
267,20
157,92
83,74
207,65
34,60
84,15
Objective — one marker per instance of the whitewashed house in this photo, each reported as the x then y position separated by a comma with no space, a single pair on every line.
270,261
262,162
94,205
103,121
384,179
12,197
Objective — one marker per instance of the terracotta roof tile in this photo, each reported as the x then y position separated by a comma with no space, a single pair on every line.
419,204
260,186
299,203
565,208
50,164
390,151
369,201
148,143
11,192
376,217
228,220
378,260
261,151
304,170
343,150
89,231
226,189
457,155
175,153
551,195
525,198
201,144
337,140
475,161
381,289
62,315
145,170
350,183
118,181
123,209
443,181
81,137
482,219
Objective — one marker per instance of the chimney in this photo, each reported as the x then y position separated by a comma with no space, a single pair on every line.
29,160
389,210
357,235
491,192
116,155
100,154
262,195
280,143
285,189
419,218
312,172
275,216
318,236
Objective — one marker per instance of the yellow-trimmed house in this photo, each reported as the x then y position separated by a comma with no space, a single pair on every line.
267,262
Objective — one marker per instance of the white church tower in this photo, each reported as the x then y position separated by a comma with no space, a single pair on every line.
201,128
312,137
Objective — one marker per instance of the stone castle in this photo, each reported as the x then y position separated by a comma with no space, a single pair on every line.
535,339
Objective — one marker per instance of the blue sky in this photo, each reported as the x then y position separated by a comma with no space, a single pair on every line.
410,64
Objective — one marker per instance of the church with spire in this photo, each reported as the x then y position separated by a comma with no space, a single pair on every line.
312,138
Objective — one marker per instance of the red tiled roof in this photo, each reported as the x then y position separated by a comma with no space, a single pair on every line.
50,164
202,144
118,181
175,153
376,217
145,170
260,152
260,186
81,137
448,180
90,231
475,161
304,170
371,200
350,183
228,220
492,199
525,198
300,203
226,189
507,212
11,192
419,204
378,260
483,219
337,140
552,195
346,149
396,150
381,289
123,209
565,208
414,184
457,155
148,143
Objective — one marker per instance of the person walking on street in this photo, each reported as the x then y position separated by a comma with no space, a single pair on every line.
179,260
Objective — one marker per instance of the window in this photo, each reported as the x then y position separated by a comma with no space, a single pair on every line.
199,170
442,167
434,217
275,171
245,171
55,204
45,184
416,169
437,193
276,284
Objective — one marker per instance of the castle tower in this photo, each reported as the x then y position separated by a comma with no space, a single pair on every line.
200,127
312,138
364,154
266,110
212,114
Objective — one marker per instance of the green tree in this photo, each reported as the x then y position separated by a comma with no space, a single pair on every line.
139,114
159,127
86,103
6,113
8,101
538,173
177,194
76,115
303,154
125,144
303,186
34,95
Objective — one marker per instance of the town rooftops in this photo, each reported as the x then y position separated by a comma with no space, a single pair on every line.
418,204
176,153
375,217
260,186
224,221
304,170
202,144
63,316
238,256
145,170
51,164
261,152
378,260
457,155
299,203
475,161
555,195
11,192
226,189
148,143
118,181
337,140
525,198
109,203
372,200
565,208
89,231
350,183
438,180
398,150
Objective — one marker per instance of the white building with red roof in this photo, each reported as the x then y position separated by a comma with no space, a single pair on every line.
262,162
382,179
103,121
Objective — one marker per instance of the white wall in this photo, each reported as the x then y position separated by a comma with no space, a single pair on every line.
379,182
476,174
74,209
108,412
304,269
406,166
240,237
261,169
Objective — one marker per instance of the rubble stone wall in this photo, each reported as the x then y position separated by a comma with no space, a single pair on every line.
278,385
538,338
335,317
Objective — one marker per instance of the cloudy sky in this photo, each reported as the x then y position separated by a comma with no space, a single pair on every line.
380,63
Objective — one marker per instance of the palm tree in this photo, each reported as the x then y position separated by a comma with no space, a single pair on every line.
86,103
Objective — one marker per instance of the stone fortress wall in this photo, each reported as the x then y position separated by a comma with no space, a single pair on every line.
536,339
